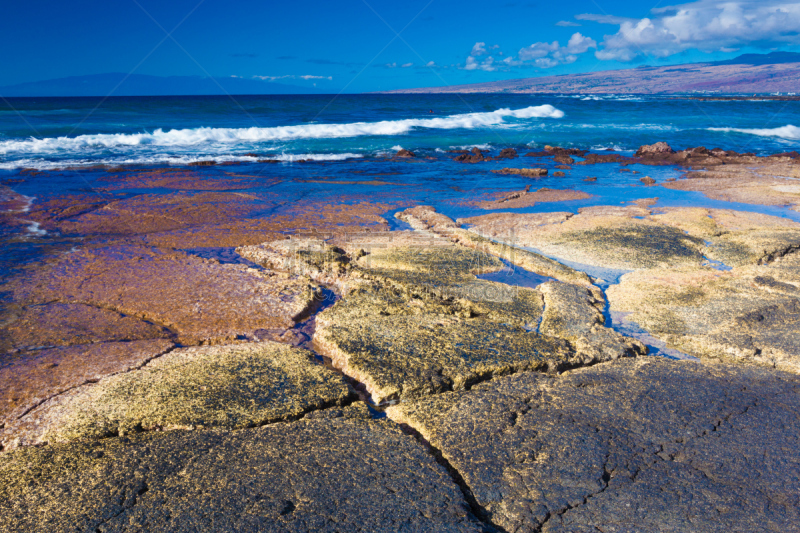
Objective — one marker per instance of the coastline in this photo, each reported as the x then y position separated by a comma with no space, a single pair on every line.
163,313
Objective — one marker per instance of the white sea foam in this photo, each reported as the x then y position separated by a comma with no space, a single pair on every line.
784,132
485,146
165,159
200,136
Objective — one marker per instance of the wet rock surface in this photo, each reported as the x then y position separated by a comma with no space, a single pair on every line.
234,386
529,172
427,219
528,198
635,445
315,475
31,378
198,300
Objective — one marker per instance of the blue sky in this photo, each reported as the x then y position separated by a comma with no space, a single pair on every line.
366,45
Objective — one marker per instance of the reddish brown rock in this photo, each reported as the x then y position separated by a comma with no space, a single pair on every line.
405,153
528,198
473,156
57,324
647,180
527,172
201,300
659,148
28,379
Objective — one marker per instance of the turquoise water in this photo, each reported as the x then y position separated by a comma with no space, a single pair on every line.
53,132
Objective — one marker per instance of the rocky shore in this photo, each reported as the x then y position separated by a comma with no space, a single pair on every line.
336,372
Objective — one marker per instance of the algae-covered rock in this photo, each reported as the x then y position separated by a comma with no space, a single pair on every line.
318,475
29,379
410,356
426,218
635,445
233,386
575,313
748,315
608,237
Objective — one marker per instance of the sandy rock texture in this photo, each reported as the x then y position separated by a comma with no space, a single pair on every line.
29,379
640,444
747,315
618,237
426,219
339,474
419,322
197,300
233,386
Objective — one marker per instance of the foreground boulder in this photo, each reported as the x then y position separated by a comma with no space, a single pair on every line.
311,475
659,148
636,445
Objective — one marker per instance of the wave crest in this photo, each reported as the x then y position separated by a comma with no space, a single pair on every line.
197,136
784,132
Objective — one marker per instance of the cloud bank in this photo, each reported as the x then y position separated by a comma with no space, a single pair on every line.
707,25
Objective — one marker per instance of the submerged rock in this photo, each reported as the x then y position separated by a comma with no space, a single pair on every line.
635,445
316,475
405,153
233,386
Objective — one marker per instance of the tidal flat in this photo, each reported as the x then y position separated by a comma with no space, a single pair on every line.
416,340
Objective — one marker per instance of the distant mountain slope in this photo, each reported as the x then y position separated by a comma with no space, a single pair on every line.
117,84
747,74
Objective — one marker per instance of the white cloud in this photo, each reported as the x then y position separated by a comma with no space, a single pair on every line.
511,62
430,64
478,50
486,64
706,25
567,23
391,65
406,65
547,55
604,19
290,77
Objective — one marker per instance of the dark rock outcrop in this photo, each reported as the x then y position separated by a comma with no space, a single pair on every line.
634,445
405,153
528,172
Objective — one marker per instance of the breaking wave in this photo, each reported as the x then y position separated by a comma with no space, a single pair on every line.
785,132
199,136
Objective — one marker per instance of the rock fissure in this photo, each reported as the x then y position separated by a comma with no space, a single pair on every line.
95,380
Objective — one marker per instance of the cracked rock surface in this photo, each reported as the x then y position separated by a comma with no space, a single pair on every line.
233,386
748,315
199,300
339,474
640,444
420,323
29,379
